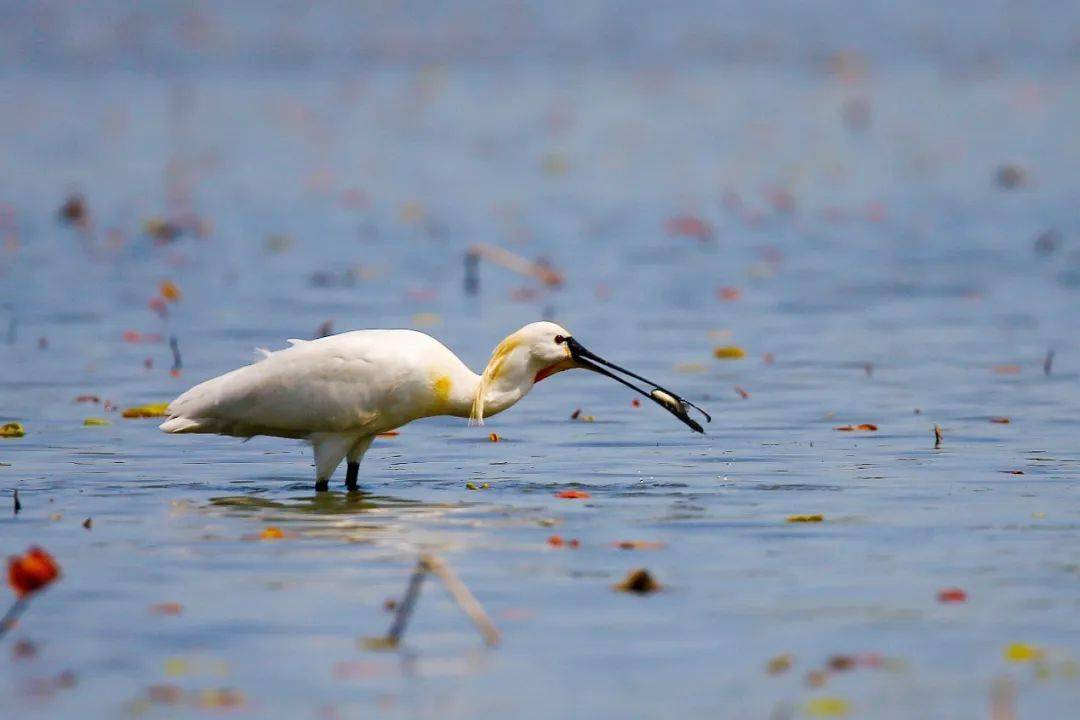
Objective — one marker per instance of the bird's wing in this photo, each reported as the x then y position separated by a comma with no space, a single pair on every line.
344,383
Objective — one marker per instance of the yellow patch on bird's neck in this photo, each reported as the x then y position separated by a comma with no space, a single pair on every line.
491,373
442,387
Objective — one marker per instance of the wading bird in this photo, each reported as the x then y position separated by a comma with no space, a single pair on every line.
339,392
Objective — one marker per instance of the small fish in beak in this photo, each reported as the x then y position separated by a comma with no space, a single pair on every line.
669,401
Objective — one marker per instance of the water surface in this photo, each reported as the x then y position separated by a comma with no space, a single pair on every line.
884,277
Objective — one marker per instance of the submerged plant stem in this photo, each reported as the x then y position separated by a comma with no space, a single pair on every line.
457,589
465,599
11,617
405,608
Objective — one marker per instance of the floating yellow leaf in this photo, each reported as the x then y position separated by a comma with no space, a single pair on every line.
176,667
91,422
170,291
147,411
828,707
271,533
1022,652
12,430
729,352
384,642
805,518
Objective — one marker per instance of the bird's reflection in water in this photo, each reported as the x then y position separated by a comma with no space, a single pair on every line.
315,503
348,516
352,516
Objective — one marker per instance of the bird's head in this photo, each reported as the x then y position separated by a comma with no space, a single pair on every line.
542,349
545,347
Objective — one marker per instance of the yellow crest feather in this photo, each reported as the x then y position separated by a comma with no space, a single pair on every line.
491,373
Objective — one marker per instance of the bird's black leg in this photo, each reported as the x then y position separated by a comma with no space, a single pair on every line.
322,485
351,474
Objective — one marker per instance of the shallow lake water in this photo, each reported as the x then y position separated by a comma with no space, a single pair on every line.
862,252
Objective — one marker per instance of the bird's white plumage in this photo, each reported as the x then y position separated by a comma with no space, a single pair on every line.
338,392
361,382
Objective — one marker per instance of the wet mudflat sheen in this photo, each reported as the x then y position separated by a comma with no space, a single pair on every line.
835,239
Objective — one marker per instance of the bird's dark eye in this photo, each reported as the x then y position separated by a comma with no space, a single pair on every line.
559,339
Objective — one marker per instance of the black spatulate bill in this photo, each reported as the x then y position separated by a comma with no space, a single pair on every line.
672,402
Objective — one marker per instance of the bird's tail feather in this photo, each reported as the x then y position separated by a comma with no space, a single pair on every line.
180,424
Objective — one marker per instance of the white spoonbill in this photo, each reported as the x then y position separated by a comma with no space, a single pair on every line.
340,391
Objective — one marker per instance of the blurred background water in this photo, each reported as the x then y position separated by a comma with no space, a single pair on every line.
875,201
